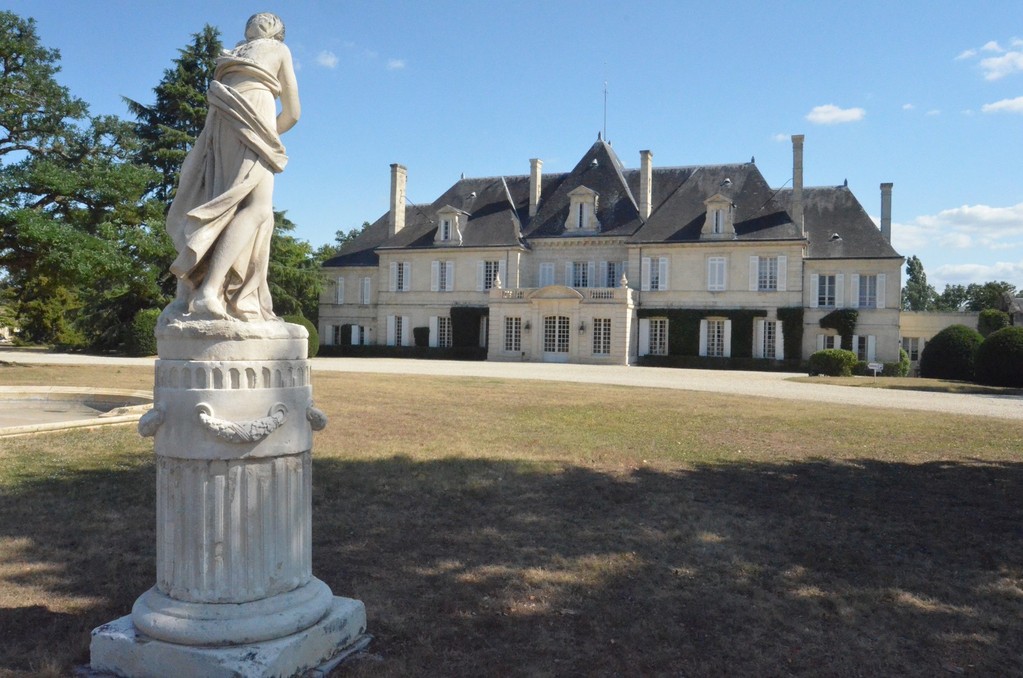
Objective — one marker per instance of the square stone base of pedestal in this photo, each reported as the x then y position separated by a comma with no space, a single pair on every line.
119,650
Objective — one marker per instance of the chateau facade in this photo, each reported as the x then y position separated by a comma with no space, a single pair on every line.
605,264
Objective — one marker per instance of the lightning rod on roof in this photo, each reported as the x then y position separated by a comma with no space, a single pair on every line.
605,100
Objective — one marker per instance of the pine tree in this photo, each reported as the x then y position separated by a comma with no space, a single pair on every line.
917,295
169,127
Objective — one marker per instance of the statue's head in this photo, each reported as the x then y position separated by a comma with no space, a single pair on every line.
264,25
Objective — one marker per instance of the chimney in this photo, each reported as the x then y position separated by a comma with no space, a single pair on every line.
396,216
886,211
797,181
646,175
535,165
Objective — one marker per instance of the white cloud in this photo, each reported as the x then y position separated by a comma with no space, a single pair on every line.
780,138
1004,106
908,107
992,46
969,226
996,68
964,274
395,64
830,114
966,54
934,111
326,59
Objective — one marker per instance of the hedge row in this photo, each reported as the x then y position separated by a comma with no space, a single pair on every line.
456,353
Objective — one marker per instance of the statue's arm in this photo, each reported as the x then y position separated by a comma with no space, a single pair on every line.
291,109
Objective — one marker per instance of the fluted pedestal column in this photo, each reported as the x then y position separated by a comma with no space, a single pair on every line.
232,423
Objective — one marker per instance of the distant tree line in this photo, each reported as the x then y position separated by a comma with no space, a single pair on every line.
917,295
83,198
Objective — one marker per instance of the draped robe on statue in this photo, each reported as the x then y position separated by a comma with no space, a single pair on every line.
237,150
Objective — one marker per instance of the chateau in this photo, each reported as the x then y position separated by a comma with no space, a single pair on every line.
605,264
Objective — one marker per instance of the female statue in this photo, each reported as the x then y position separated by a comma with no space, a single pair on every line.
222,218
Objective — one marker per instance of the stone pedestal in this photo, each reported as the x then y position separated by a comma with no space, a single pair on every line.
232,424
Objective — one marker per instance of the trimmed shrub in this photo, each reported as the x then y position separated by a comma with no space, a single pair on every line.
899,369
421,335
950,353
314,336
142,332
999,360
992,320
832,362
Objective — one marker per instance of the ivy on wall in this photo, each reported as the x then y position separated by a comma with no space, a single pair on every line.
791,318
843,321
684,328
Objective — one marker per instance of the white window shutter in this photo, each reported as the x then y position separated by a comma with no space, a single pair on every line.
840,290
394,277
480,273
815,286
758,338
591,274
502,272
406,278
754,273
871,347
711,271
435,276
355,335
820,342
449,276
644,336
568,274
365,289
390,330
779,340
728,338
783,272
602,272
854,290
662,273
433,332
406,331
856,344
340,298
882,280
724,273
546,274
703,337
645,274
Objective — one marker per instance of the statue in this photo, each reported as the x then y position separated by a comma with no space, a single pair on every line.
221,219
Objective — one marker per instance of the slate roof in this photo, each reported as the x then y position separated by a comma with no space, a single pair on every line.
832,210
498,209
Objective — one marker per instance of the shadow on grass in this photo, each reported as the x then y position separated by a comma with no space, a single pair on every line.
502,568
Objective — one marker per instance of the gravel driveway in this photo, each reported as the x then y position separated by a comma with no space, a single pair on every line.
758,384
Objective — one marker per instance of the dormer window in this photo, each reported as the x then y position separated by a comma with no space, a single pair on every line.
450,225
720,217
582,210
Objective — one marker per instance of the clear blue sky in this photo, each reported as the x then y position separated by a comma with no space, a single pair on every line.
925,94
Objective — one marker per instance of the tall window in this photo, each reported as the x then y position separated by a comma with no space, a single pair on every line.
442,276
911,345
615,269
445,229
491,271
513,334
826,290
767,274
444,331
659,336
546,274
868,291
364,291
335,335
719,221
580,274
654,273
555,334
399,330
401,276
601,336
826,341
716,274
716,338
770,347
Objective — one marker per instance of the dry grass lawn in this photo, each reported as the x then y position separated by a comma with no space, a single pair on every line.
547,529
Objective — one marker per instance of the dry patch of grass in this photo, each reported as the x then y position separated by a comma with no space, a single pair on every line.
510,528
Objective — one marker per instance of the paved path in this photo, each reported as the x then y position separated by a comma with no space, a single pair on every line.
758,384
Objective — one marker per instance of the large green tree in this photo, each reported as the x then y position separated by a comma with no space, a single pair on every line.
168,127
294,275
917,295
988,295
